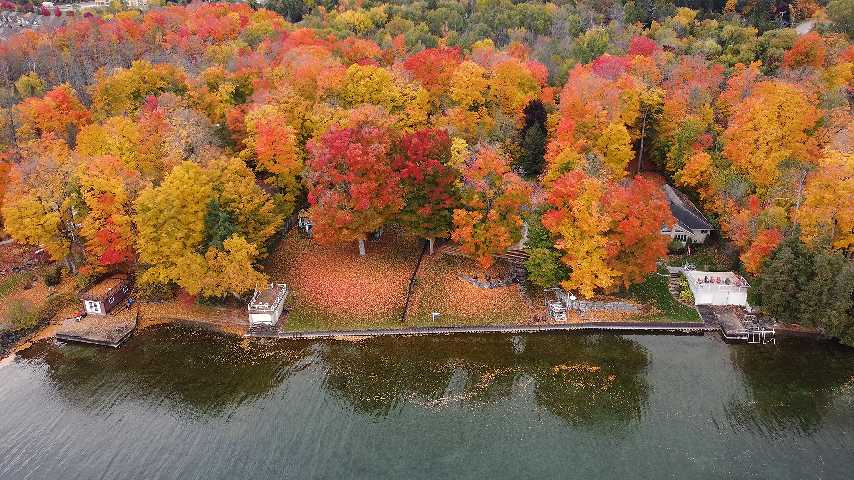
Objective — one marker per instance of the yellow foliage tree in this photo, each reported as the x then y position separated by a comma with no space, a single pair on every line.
197,221
775,124
38,207
124,90
121,137
375,85
615,147
580,223
828,208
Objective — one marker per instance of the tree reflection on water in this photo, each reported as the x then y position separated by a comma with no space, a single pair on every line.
792,385
200,371
586,380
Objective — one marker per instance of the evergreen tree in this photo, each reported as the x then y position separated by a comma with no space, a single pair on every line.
782,277
220,223
533,139
543,265
827,300
533,150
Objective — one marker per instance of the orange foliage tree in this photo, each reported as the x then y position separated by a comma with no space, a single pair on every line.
489,220
609,232
57,112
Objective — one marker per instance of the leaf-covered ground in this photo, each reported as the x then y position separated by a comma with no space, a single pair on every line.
333,288
439,288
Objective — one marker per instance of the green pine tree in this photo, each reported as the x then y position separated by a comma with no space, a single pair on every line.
783,276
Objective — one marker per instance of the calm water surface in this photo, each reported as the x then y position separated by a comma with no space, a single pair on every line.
183,404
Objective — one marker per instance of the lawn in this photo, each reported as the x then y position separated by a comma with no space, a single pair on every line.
709,258
335,289
654,291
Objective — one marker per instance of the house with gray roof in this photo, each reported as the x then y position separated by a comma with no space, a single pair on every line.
691,225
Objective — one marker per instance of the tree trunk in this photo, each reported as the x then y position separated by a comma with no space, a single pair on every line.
430,240
801,182
361,247
640,152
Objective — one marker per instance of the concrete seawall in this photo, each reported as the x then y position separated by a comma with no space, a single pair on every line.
622,327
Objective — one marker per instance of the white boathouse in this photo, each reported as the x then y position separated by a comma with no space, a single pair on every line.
267,305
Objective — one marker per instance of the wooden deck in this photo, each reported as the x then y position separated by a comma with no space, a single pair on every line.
107,330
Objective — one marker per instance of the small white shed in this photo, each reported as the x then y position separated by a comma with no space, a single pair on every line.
267,305
717,288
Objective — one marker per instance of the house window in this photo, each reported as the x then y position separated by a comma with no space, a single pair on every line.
92,306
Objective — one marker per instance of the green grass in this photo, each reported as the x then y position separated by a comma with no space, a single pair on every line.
12,282
22,314
654,291
304,319
708,258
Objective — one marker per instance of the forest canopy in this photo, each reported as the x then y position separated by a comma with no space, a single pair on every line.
177,141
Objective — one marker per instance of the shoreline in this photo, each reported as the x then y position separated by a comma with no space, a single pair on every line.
355,335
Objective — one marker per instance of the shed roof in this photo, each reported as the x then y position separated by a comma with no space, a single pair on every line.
686,214
100,290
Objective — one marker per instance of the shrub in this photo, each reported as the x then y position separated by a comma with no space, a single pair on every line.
85,280
685,293
11,283
676,246
53,276
154,292
22,314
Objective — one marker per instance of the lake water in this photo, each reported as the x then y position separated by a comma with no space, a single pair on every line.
176,403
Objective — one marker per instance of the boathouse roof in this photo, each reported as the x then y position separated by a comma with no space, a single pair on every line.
102,289
269,298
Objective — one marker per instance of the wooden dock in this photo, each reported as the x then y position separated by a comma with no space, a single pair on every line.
695,328
106,330
735,325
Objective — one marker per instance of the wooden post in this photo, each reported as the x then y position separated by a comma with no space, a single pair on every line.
361,247
430,240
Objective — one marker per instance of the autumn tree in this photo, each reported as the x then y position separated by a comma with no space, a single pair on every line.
429,183
598,105
107,187
352,188
827,212
777,123
139,149
808,51
181,241
58,112
578,220
39,205
274,146
434,68
493,197
609,232
124,90
29,85
637,211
